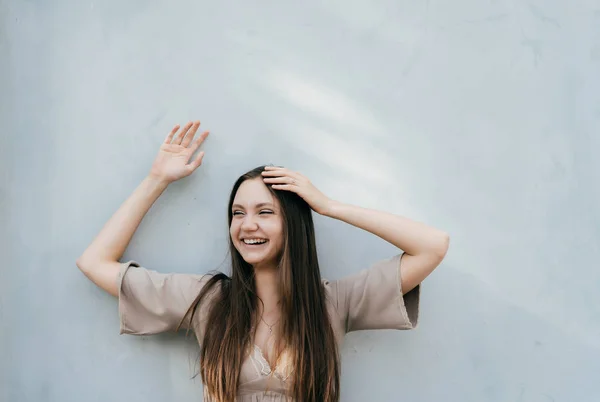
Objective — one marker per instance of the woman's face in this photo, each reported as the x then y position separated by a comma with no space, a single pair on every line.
257,224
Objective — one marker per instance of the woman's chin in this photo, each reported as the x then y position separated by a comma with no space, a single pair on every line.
253,260
260,263
258,258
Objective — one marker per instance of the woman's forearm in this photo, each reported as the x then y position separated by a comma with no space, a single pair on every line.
174,161
113,239
412,237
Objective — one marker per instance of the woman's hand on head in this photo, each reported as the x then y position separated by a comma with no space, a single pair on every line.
284,179
174,160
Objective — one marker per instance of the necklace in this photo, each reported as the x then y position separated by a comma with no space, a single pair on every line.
270,326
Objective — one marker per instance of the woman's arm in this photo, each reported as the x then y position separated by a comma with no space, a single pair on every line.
424,246
100,261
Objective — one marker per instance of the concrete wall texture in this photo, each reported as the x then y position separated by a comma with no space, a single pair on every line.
478,117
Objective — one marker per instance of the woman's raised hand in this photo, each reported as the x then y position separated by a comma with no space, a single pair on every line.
173,161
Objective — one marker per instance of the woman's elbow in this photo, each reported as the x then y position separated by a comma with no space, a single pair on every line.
84,263
80,263
443,245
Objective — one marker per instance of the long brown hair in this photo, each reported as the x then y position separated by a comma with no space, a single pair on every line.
306,332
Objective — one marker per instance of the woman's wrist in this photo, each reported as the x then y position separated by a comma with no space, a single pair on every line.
331,208
156,182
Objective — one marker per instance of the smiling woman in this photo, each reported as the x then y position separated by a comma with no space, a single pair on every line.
256,227
272,330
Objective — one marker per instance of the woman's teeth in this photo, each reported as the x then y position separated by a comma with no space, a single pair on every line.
254,241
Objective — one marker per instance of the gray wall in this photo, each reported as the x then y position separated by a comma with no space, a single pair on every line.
480,118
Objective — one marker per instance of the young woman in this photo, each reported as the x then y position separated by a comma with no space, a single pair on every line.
271,331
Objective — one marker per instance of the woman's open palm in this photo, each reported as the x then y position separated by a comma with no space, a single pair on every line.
173,161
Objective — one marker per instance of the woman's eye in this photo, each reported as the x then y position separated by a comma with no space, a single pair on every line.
264,211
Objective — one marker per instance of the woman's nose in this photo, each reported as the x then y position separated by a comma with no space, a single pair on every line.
248,223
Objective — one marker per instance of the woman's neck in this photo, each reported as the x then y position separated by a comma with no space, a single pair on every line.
267,289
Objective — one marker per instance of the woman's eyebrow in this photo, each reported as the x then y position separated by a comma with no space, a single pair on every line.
259,205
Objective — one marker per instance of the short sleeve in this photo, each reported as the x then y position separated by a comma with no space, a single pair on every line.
373,298
151,302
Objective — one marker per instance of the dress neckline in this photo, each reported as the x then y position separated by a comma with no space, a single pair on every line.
263,359
265,368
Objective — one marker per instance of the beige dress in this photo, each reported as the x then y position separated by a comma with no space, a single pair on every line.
152,302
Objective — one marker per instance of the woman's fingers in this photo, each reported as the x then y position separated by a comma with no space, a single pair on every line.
197,161
182,133
193,165
186,135
274,171
171,134
190,134
198,141
280,180
286,187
